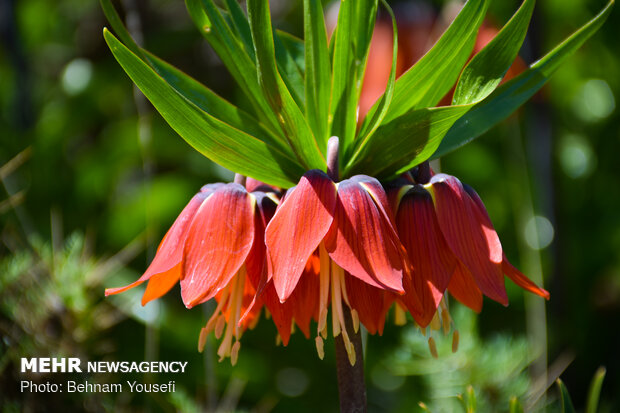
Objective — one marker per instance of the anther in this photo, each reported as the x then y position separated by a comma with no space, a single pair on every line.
455,341
234,353
432,347
400,317
319,347
356,320
202,339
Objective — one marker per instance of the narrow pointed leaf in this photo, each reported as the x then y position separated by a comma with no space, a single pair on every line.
213,138
295,48
229,47
404,142
371,123
213,104
565,400
298,227
485,70
219,240
318,70
290,116
515,405
193,90
425,83
511,95
595,390
351,42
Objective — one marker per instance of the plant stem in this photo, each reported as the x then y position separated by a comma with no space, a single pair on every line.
351,385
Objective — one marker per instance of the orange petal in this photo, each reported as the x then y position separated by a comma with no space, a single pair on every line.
463,287
160,284
170,251
362,239
521,280
371,303
433,262
298,227
219,240
470,235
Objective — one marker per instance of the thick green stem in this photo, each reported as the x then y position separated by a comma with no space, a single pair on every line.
351,385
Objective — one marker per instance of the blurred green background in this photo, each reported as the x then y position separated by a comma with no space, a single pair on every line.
92,178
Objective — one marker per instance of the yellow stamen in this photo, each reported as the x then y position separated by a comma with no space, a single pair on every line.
455,341
338,322
220,325
234,353
400,317
356,321
278,339
435,323
202,340
319,347
432,347
324,273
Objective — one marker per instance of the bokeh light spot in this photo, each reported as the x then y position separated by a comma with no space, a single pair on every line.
76,76
538,232
594,101
292,382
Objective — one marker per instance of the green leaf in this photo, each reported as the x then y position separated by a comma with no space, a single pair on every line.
213,138
351,42
567,404
471,399
318,70
485,70
229,47
405,142
117,24
295,48
241,26
371,123
292,120
193,90
512,94
595,390
211,103
515,405
425,83
289,71
291,75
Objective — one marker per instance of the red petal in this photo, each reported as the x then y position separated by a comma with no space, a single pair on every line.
362,239
433,262
255,262
219,240
170,251
281,313
521,280
463,287
371,303
514,274
470,236
298,227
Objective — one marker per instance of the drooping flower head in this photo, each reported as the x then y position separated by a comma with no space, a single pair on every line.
215,249
452,244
